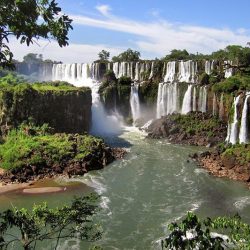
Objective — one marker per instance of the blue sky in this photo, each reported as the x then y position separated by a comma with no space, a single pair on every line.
152,27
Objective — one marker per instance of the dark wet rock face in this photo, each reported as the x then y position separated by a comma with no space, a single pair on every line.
196,128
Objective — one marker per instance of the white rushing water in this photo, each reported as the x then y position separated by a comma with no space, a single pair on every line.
170,72
85,75
202,105
194,99
152,70
233,128
187,71
221,107
187,101
167,99
228,70
243,135
209,66
135,102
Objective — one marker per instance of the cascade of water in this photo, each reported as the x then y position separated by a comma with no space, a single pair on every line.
152,71
232,135
194,98
84,76
187,101
142,70
214,105
187,71
170,73
116,69
135,102
164,70
159,110
243,135
137,71
228,71
131,70
202,105
221,107
209,66
167,99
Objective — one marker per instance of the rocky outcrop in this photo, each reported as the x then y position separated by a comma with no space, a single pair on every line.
233,163
65,108
196,128
99,156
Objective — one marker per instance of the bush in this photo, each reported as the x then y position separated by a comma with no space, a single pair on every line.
193,233
124,80
233,84
33,145
204,79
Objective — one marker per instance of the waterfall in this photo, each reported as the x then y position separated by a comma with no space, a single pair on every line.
221,107
84,75
214,105
209,66
202,106
187,101
137,71
243,136
135,102
232,135
167,99
187,71
170,73
194,99
159,110
228,71
116,69
152,71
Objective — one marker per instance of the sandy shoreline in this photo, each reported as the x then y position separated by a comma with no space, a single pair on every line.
35,187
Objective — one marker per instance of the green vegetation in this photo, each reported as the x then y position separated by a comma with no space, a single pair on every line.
103,56
204,79
48,102
148,92
127,56
240,152
45,224
28,20
192,233
177,55
232,84
193,124
32,145
124,80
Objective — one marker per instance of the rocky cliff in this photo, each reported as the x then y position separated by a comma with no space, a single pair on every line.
64,107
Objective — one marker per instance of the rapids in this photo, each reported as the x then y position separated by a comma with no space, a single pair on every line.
154,185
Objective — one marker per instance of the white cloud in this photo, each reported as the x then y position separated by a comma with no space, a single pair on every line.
72,53
160,37
103,9
155,38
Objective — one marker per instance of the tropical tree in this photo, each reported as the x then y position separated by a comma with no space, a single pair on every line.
103,55
127,56
26,228
220,233
177,55
33,58
29,20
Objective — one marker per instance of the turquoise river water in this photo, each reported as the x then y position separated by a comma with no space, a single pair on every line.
154,185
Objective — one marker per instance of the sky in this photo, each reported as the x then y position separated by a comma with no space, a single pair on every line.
153,27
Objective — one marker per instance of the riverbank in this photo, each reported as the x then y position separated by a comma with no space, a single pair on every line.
231,162
32,153
195,128
203,129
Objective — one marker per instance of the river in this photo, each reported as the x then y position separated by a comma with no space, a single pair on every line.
154,185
